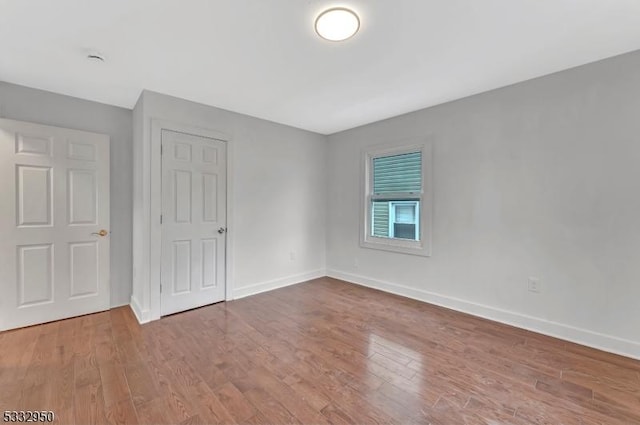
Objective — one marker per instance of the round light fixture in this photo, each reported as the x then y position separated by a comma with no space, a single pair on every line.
337,24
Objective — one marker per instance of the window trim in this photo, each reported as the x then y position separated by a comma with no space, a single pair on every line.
425,209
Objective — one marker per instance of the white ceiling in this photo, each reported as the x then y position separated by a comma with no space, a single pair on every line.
263,58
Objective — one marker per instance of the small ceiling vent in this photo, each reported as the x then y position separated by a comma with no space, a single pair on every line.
95,56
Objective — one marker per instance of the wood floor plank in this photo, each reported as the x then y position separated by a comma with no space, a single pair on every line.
156,411
318,352
122,413
114,383
141,385
89,404
62,387
270,408
235,402
210,408
293,402
308,391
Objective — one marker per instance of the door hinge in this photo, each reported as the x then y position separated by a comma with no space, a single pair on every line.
161,149
160,218
161,289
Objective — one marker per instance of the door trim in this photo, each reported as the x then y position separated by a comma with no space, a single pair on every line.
155,236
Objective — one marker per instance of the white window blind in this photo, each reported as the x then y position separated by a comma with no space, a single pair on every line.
398,174
406,214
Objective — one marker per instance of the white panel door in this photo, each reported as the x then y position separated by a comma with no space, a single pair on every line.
194,220
54,197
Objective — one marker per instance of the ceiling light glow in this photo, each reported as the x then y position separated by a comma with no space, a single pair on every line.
337,24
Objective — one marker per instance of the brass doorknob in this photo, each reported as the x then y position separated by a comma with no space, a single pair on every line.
102,233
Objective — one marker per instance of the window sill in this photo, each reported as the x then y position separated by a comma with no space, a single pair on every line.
398,246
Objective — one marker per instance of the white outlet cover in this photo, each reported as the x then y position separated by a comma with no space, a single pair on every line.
534,284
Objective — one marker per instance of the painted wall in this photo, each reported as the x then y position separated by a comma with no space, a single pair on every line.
537,179
42,107
140,210
278,201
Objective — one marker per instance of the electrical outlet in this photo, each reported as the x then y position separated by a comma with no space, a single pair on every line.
356,263
292,256
534,285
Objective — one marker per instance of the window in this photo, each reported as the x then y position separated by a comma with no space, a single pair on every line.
397,206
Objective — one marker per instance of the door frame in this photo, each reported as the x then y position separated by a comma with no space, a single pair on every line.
155,236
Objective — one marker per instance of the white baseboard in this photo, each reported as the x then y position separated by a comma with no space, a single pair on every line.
270,285
143,316
558,330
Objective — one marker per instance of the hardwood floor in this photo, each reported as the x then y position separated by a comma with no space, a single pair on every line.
316,353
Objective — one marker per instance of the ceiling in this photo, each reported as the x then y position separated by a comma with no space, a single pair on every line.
263,58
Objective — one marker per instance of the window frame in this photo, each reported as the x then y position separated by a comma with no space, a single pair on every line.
425,207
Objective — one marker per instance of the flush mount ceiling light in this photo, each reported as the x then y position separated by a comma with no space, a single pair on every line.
337,24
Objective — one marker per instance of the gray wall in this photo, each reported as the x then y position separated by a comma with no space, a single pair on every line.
537,179
278,197
27,104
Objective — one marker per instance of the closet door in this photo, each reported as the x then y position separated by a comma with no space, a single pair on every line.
194,221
